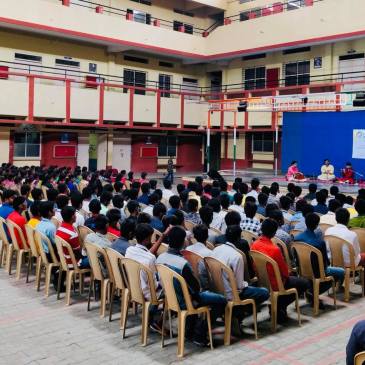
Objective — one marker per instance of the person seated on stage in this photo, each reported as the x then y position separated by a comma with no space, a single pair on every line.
293,173
348,174
327,171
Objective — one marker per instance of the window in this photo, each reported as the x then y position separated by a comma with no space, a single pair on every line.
297,73
297,50
135,59
144,2
167,146
135,78
27,57
27,144
164,83
190,85
140,16
262,142
166,64
188,28
255,78
295,4
254,57
69,63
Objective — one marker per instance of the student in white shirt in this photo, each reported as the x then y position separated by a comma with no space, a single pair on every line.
255,188
224,200
61,202
217,221
167,192
237,206
340,230
76,202
330,217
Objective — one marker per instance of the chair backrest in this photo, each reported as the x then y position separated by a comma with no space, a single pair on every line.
116,264
194,259
260,217
217,270
30,237
56,222
41,239
336,245
284,250
162,249
111,237
249,236
135,273
245,265
83,232
189,225
64,249
304,254
262,263
97,258
3,235
324,226
155,236
169,278
295,232
17,236
209,245
361,236
359,358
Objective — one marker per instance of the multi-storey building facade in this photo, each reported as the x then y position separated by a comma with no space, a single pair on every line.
121,83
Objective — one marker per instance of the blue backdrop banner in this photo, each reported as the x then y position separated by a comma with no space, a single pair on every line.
310,137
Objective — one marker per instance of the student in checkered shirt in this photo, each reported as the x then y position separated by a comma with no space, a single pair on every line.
250,223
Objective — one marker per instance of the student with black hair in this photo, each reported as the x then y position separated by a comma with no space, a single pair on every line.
105,199
118,203
45,226
312,188
330,217
274,194
237,205
76,202
99,237
36,216
167,190
193,215
114,217
61,202
145,190
206,215
127,233
133,208
94,208
19,206
321,206
159,210
175,204
262,200
217,221
152,201
250,223
255,188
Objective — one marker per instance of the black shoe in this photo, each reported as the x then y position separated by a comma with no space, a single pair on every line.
201,342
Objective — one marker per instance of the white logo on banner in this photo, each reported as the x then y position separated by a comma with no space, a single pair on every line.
358,144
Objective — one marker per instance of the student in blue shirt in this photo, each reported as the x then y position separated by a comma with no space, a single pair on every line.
45,226
7,207
175,204
159,210
321,206
145,189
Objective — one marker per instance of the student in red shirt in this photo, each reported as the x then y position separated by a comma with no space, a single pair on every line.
267,247
19,206
114,217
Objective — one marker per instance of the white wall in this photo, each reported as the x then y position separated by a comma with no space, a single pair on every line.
122,152
83,150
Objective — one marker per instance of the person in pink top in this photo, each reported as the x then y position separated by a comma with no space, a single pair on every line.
293,173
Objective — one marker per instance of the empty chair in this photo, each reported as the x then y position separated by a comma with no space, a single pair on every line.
169,280
34,252
304,254
69,265
217,270
262,263
20,247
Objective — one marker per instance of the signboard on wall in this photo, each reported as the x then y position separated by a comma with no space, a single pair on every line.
62,151
358,144
149,152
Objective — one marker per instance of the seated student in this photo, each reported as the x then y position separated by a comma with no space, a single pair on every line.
99,237
94,208
356,342
235,189
312,192
207,191
37,194
76,202
359,221
262,200
311,238
281,234
145,190
265,245
297,192
36,217
225,204
217,219
250,223
45,226
255,188
330,217
127,233
321,206
25,192
349,205
200,233
143,178
300,225
340,230
159,210
133,208
153,187
167,191
237,205
196,329
175,204
68,232
105,199
118,203
285,204
327,171
152,201
19,206
114,217
298,216
348,174
87,193
193,215
274,194
61,202
206,215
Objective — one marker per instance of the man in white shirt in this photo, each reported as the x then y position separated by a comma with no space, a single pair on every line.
255,188
61,202
99,237
340,230
167,192
237,206
330,217
76,202
218,220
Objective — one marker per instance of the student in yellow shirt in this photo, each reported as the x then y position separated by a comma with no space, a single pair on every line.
36,217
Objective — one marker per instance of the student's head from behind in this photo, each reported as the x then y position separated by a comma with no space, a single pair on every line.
69,214
133,207
233,233
62,201
200,233
224,201
312,188
262,198
175,202
312,221
334,190
95,206
167,184
144,218
307,209
321,197
333,205
25,190
179,215
237,198
206,215
118,201
128,228
269,208
76,199
180,188
300,204
285,202
153,199
297,191
101,224
105,198
34,209
215,205
277,216
159,210
37,194
341,198
177,237
145,188
52,194
232,218
46,209
274,189
255,183
192,205
20,204
269,228
342,216
250,209
290,187
349,200
114,216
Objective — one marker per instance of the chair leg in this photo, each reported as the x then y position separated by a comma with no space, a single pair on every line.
48,278
334,294
362,282
90,289
254,314
103,296
123,304
124,314
111,295
69,278
19,259
209,330
274,312
181,334
9,259
170,323
81,283
59,282
29,267
298,309
227,324
347,285
38,272
2,250
315,297
145,320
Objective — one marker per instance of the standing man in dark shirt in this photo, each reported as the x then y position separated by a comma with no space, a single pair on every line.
170,169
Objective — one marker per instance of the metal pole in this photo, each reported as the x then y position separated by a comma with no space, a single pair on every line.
234,143
208,142
276,148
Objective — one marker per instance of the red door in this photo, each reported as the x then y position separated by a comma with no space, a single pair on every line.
272,77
